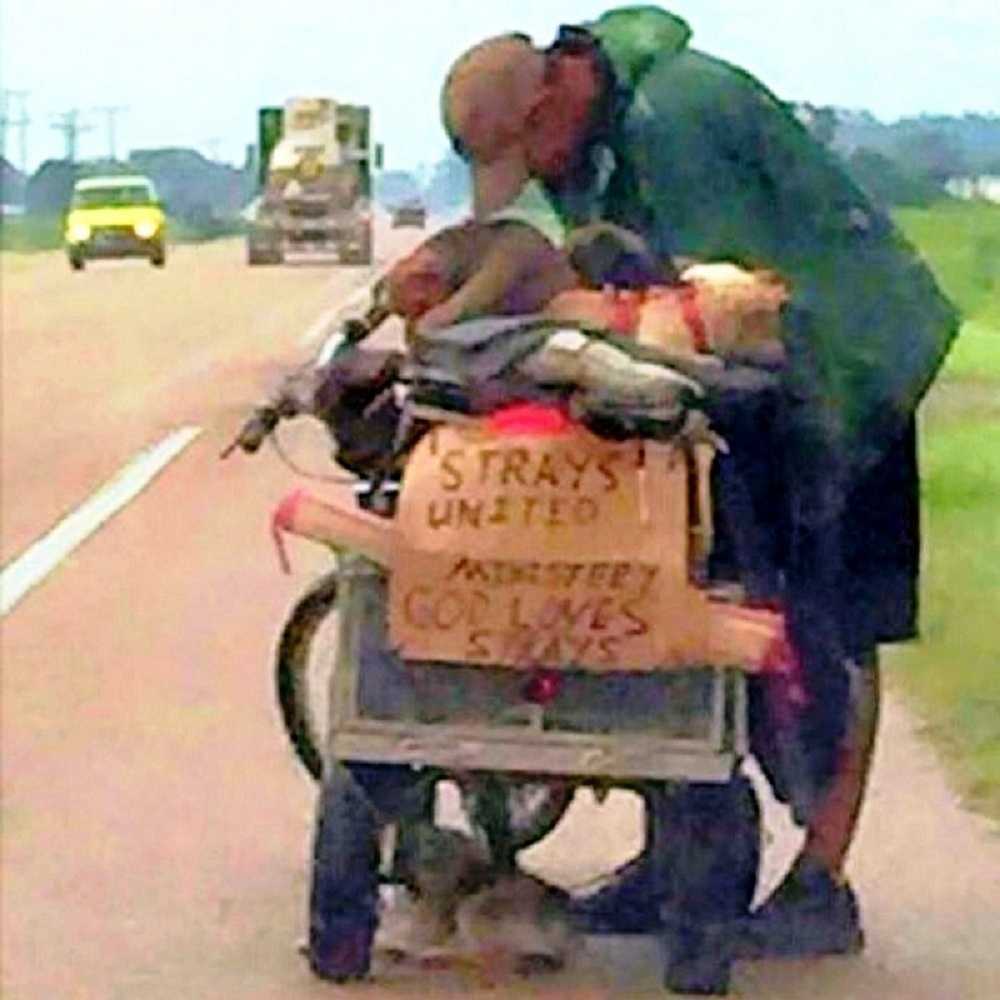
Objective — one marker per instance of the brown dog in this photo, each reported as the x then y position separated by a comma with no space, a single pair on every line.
478,269
508,269
606,278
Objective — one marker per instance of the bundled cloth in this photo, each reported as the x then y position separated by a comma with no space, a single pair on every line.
482,365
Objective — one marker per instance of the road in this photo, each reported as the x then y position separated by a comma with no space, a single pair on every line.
155,828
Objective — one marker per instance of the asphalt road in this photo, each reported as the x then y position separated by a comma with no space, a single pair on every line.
155,827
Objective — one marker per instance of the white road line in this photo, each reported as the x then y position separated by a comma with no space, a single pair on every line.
38,561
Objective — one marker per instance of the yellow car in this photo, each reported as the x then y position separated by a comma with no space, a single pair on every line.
117,216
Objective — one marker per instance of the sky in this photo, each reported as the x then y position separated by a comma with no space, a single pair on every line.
193,72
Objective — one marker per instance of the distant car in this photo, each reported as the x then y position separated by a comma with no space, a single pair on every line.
115,216
410,213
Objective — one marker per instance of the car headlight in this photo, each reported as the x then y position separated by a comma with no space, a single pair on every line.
145,228
79,232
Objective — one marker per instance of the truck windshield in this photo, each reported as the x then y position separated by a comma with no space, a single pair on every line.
130,194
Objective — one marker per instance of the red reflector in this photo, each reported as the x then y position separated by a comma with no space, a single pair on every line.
543,687
529,418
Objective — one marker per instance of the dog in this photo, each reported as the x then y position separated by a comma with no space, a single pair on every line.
457,910
605,277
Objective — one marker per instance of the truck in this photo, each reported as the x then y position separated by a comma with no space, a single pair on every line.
314,182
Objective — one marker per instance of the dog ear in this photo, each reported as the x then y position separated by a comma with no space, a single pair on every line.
603,253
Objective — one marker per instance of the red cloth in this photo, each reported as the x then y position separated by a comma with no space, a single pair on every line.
529,418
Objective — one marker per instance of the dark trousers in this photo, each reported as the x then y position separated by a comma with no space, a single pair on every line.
848,583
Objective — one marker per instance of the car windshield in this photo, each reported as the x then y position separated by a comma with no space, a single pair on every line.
125,194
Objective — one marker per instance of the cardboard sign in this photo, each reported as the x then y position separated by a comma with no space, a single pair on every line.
559,550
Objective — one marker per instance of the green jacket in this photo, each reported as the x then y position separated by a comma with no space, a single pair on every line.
708,163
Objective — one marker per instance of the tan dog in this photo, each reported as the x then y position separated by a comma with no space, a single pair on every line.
456,912
719,309
715,309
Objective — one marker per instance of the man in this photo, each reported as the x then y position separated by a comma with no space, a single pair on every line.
625,122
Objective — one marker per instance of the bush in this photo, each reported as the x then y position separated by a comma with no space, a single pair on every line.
887,182
26,233
23,233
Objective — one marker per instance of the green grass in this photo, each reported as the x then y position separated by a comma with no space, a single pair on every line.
975,354
30,233
26,233
961,242
952,675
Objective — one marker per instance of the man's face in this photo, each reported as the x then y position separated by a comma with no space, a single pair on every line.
558,121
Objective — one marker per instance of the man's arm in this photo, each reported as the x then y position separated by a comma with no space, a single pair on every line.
735,175
877,318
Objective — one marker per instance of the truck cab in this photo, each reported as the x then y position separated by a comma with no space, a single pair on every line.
315,183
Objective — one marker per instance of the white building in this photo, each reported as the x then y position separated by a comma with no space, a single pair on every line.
986,187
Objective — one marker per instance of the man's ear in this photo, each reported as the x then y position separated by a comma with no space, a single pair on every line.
542,109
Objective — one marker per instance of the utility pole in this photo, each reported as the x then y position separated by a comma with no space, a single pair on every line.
111,112
69,124
20,123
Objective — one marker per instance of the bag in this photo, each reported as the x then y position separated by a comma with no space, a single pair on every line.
482,365
355,400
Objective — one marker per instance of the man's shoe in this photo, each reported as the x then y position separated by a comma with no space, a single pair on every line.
809,915
626,902
699,958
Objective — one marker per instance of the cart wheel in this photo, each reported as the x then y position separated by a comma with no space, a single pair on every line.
514,814
714,832
292,671
343,899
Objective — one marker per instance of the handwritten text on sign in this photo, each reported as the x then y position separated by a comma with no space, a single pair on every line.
532,551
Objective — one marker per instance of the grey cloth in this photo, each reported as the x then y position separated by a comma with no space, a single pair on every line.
478,366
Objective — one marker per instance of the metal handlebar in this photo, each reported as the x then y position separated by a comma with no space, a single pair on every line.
255,431
264,419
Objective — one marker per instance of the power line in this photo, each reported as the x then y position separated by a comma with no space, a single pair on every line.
21,123
111,112
69,124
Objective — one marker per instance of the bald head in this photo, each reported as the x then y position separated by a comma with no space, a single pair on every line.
489,93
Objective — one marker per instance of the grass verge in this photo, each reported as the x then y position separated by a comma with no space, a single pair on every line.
952,676
961,242
29,233
953,673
